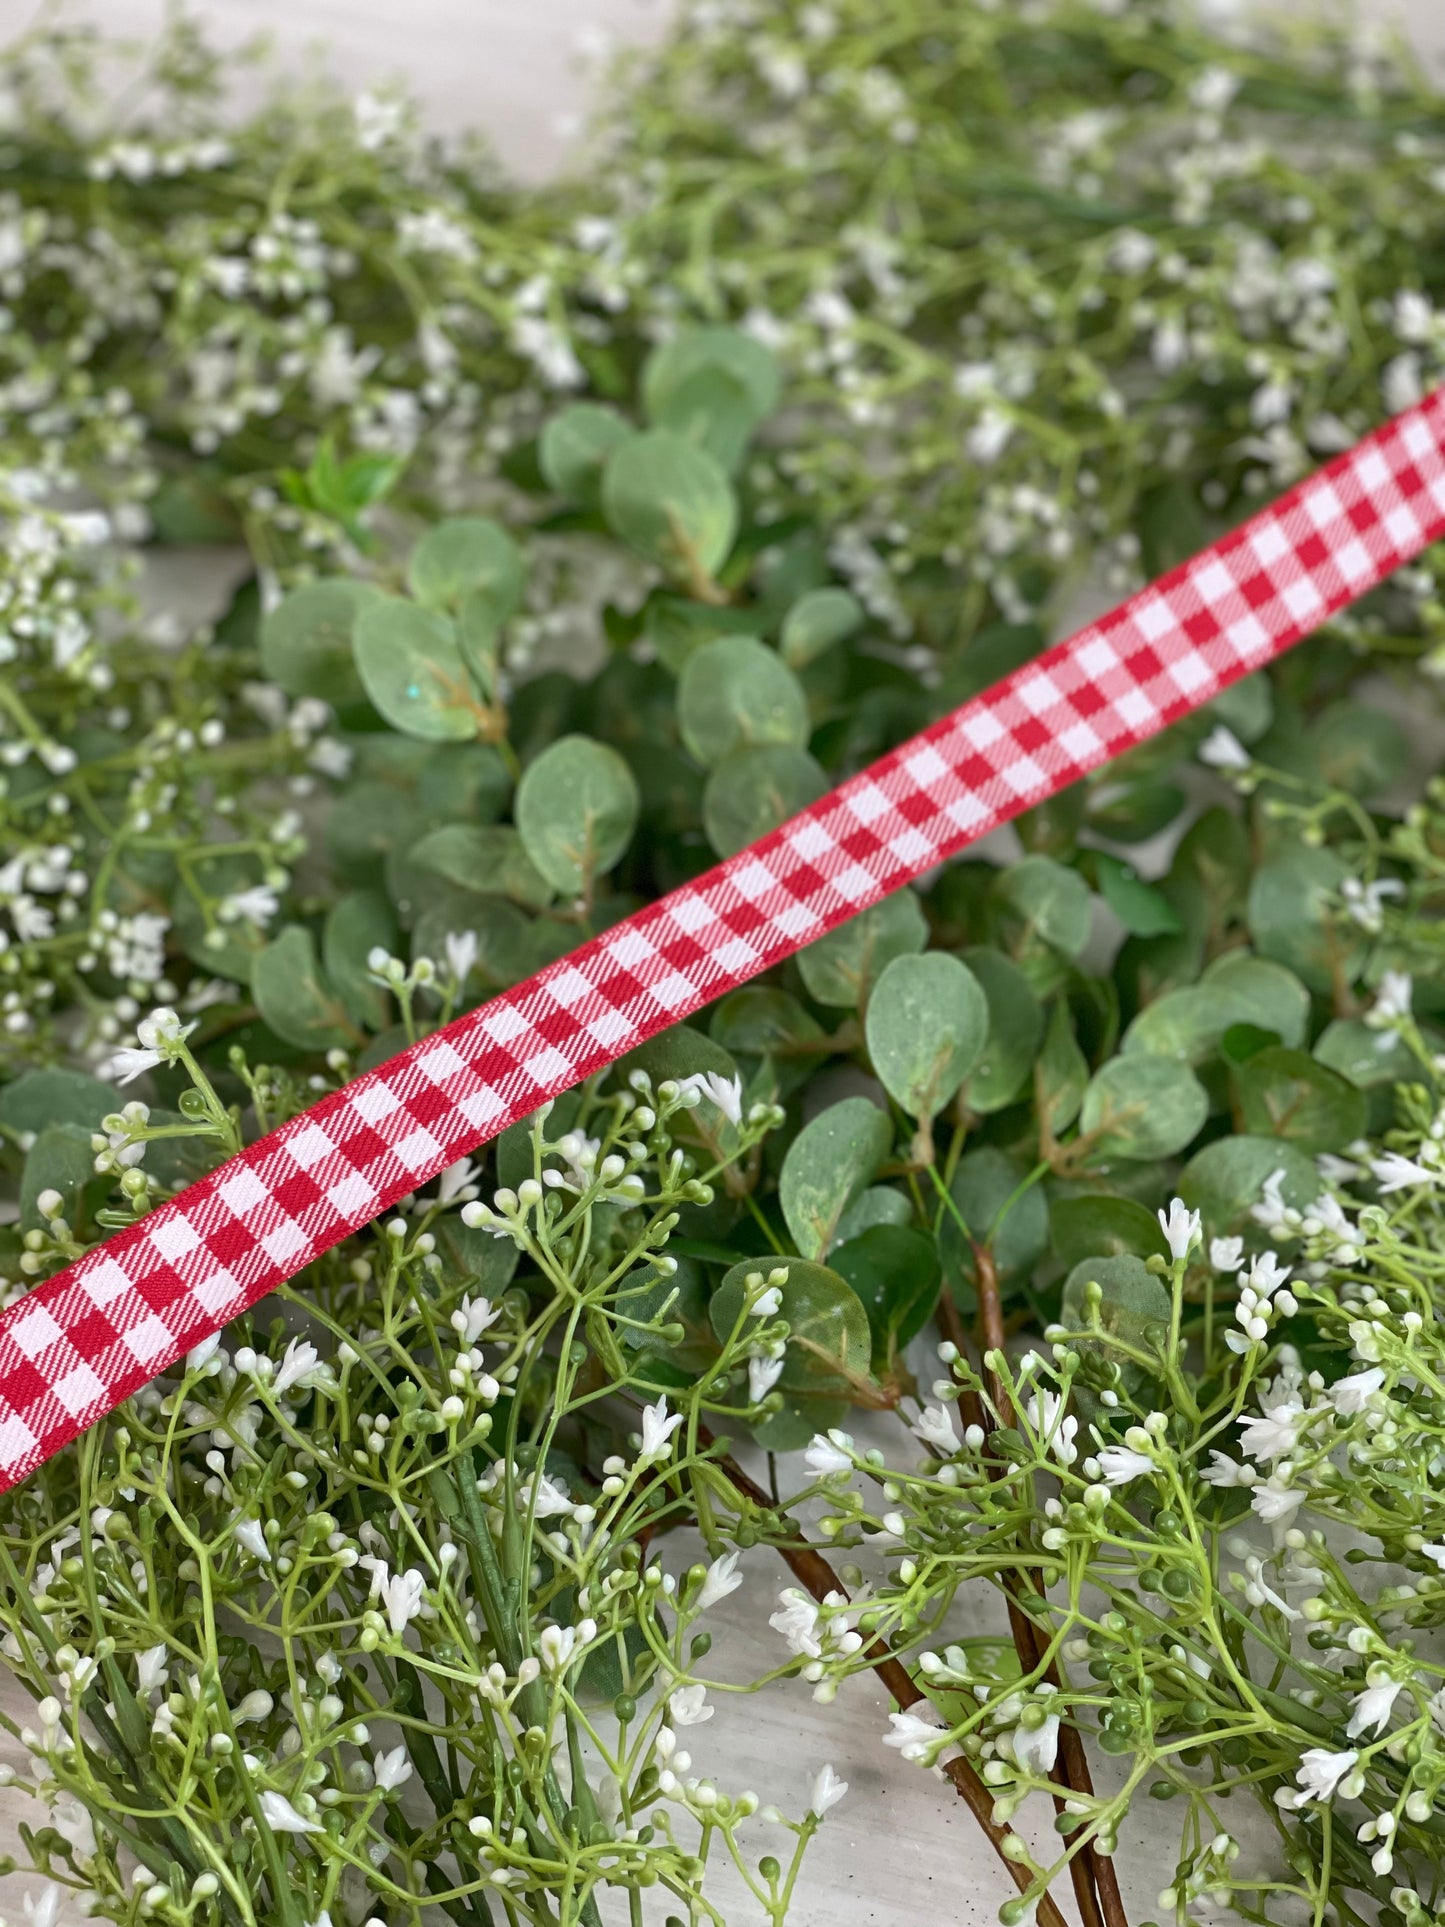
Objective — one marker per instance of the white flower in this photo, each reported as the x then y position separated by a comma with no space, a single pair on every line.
722,1577
1372,1708
1274,1503
1392,999
150,1667
1437,1553
915,1736
299,1361
1222,749
725,1092
461,953
556,1645
1226,1471
401,1593
1274,1434
255,906
823,1458
763,1375
1181,1228
1351,1395
391,1770
686,1706
1044,1414
43,1912
767,1304
1320,1773
456,1179
474,1316
1365,901
1035,1748
828,1790
248,1532
1393,1172
1226,1254
203,1353
125,1065
281,1817
1120,1465
934,1428
797,1620
658,1426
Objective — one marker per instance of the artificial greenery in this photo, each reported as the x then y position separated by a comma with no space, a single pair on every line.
503,666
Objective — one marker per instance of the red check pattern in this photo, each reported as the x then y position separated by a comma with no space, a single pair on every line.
79,1343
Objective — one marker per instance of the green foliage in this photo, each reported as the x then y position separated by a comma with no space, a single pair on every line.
577,808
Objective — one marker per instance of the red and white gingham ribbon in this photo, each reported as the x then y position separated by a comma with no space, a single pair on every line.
82,1341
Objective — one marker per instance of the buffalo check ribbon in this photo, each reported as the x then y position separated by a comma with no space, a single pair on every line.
79,1343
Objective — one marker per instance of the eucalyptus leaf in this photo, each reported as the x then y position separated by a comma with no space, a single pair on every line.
358,923
754,790
1289,1094
879,1204
574,448
1050,902
413,671
294,997
895,1272
677,361
1015,1031
673,503
830,1346
1083,1228
1224,1179
817,622
40,1098
842,968
1138,905
1265,993
1063,1073
1142,1107
1294,919
60,1160
829,1164
926,1026
734,693
490,858
466,558
1135,1307
306,640
576,810
1003,1213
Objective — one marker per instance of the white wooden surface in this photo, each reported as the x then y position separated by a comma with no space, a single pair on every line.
901,1851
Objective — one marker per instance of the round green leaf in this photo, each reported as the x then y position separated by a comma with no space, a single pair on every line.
736,692
754,790
1050,901
1264,993
879,1204
1290,916
1227,1177
295,999
1136,1305
816,622
830,1347
506,939
1142,909
748,362
1063,1071
761,1019
466,558
842,968
1186,1024
1359,749
713,410
894,1271
1015,1031
829,1163
1143,1107
61,1160
358,924
576,809
1354,1050
1012,1222
1081,1228
413,671
926,1025
38,1099
488,857
306,640
574,448
1289,1094
673,503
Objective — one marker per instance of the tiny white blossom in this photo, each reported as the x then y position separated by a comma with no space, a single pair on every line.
725,1092
248,1533
721,1578
1181,1228
687,1706
281,1817
1392,1000
828,1790
1035,1748
1319,1775
1226,1254
1121,1465
391,1770
763,1375
1373,1708
914,1735
1273,1434
1351,1395
658,1426
822,1457
1222,749
934,1428
299,1361
1394,1172
150,1667
461,953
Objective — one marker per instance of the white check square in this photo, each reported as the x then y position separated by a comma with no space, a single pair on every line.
417,1149
308,1145
78,1390
569,986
